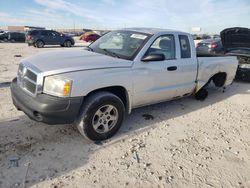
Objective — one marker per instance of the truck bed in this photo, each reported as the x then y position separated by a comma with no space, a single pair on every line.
210,65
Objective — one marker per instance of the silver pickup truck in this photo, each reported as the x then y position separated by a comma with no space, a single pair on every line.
97,86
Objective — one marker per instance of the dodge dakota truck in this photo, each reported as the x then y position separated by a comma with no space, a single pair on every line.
95,87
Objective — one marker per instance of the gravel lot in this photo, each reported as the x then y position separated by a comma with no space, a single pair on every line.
183,143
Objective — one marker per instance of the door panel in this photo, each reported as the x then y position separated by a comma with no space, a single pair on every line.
153,82
55,38
44,36
158,81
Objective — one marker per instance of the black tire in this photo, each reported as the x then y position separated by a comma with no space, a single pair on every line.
39,44
201,95
91,107
67,43
34,44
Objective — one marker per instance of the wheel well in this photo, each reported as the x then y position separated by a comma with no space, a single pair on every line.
66,40
119,91
219,79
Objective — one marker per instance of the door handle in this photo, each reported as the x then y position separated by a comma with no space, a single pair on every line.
173,68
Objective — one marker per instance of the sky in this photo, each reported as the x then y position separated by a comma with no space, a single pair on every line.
211,15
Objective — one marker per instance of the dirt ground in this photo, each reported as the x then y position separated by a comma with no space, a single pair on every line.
183,143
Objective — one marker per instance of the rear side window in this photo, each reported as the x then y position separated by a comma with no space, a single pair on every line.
185,46
33,32
45,33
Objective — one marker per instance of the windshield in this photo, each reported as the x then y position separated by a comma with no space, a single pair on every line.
120,44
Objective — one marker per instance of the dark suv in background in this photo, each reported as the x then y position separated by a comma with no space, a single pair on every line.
39,38
16,37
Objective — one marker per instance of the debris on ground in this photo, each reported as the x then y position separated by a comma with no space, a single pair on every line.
17,55
148,117
5,84
14,161
136,157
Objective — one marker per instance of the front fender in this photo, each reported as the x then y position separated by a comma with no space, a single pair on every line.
86,81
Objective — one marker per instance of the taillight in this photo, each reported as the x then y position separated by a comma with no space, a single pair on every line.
29,37
214,45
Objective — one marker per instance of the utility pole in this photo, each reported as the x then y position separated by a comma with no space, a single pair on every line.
74,27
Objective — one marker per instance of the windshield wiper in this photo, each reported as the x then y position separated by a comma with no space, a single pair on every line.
89,48
111,53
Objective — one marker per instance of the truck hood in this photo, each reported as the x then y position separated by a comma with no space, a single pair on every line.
73,60
236,40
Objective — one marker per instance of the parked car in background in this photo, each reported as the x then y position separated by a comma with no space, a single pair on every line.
236,41
79,33
86,33
95,88
16,37
215,36
71,34
210,46
91,37
2,31
39,38
4,36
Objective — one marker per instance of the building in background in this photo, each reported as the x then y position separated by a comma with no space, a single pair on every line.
22,28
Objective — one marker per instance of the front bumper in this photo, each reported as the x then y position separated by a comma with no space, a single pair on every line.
243,74
46,108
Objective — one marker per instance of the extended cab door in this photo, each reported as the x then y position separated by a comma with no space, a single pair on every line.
187,66
175,76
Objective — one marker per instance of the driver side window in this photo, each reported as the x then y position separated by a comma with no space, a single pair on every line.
163,45
54,34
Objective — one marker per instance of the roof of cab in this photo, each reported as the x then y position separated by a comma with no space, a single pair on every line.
152,30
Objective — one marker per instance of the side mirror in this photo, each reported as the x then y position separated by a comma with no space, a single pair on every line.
153,57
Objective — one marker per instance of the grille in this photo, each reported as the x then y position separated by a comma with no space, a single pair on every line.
27,79
32,76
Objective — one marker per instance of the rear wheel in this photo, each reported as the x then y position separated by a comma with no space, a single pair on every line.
101,116
39,44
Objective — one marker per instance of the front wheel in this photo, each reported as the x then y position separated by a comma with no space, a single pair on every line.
67,43
101,116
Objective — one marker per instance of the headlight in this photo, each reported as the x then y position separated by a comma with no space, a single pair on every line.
57,86
244,66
